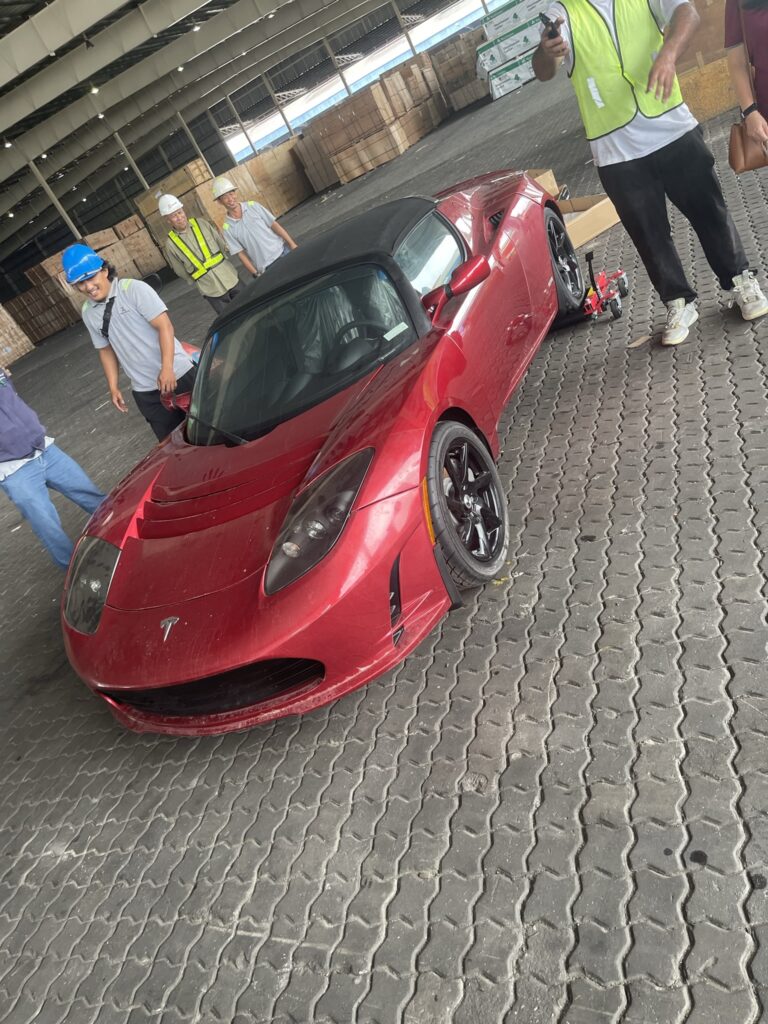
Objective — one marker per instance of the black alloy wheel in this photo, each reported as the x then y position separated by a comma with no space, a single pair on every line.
468,505
569,279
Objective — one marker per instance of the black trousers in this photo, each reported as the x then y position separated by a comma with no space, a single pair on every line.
220,302
151,407
683,172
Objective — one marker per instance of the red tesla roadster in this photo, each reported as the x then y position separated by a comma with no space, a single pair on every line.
333,488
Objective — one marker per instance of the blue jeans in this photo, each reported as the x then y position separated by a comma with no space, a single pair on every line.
28,490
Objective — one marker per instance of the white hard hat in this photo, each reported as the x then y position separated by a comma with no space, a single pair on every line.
221,186
169,204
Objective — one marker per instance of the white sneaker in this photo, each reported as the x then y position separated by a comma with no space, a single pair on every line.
680,316
748,297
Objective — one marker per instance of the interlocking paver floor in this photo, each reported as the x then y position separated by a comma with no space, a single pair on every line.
555,810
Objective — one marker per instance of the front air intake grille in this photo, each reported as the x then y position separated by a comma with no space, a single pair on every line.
243,687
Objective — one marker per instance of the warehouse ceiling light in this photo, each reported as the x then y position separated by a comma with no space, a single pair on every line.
10,216
180,67
43,156
7,143
94,90
196,28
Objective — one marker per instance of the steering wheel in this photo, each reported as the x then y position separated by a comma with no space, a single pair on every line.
369,330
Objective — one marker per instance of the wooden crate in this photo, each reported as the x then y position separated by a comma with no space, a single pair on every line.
14,342
176,184
101,239
708,90
707,43
370,152
317,163
129,226
145,254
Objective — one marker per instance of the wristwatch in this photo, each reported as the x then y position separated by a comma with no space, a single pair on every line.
748,110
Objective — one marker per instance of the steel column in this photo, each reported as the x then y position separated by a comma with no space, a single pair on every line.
339,72
193,140
244,130
403,26
273,94
134,166
54,199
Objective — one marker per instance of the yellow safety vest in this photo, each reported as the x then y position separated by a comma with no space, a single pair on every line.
208,262
610,82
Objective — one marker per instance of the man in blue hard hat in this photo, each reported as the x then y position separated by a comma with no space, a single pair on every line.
130,328
31,464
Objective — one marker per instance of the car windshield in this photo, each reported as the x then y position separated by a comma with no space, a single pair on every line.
294,351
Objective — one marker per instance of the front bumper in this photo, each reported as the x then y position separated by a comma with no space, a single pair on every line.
338,614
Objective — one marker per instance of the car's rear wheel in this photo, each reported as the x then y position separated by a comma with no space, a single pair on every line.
569,280
468,505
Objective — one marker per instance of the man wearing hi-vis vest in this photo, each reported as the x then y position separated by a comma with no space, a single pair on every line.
620,56
195,251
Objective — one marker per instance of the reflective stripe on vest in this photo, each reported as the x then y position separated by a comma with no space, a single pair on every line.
610,82
208,261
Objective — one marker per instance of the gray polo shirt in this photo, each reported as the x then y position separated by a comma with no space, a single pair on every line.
132,337
253,232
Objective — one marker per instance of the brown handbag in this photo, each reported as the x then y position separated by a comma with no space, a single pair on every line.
744,154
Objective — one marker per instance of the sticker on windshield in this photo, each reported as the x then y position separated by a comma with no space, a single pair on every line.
397,329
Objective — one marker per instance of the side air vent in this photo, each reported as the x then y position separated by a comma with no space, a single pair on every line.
496,218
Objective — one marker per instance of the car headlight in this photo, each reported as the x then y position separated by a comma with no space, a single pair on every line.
316,521
88,584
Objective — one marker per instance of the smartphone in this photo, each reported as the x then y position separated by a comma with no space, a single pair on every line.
552,30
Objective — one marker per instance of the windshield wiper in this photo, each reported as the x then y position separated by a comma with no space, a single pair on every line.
234,438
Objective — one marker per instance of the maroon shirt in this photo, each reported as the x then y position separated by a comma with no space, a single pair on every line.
756,31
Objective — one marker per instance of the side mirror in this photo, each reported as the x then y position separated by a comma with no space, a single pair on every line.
465,277
468,276
174,401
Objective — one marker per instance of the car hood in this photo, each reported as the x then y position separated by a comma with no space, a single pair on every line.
192,520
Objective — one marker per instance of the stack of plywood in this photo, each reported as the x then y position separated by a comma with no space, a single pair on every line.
454,62
140,246
279,177
14,343
374,125
316,163
703,69
42,310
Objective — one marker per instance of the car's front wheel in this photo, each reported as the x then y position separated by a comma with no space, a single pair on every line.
569,280
468,505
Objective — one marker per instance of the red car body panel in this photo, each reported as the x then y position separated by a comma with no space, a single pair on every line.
196,525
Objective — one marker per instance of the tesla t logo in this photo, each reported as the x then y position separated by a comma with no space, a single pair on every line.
167,625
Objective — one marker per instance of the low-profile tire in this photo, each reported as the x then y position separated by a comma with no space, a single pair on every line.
569,280
468,505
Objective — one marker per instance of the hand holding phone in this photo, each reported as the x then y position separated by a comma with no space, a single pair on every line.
552,29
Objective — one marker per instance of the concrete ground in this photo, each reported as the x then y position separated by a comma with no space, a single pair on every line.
555,810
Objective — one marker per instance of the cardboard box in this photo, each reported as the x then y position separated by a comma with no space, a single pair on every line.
587,216
511,76
508,47
546,178
511,16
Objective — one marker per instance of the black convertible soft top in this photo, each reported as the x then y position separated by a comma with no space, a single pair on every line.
371,236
